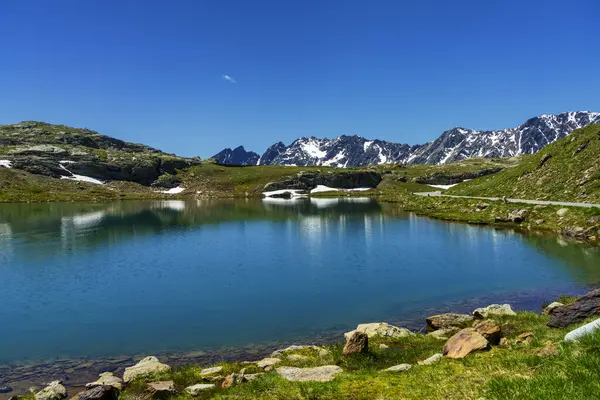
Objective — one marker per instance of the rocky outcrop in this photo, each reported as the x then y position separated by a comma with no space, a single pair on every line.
324,373
584,307
444,178
107,379
268,363
54,391
464,343
493,310
148,365
340,180
448,321
380,330
358,342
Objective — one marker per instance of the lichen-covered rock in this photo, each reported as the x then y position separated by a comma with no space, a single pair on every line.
107,379
161,389
381,330
197,390
148,365
101,392
54,391
465,342
210,371
493,310
357,343
443,334
268,363
448,321
398,368
324,373
432,360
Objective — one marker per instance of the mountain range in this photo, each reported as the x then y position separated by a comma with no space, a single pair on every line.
453,145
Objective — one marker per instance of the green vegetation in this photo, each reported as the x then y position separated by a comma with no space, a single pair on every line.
566,170
543,368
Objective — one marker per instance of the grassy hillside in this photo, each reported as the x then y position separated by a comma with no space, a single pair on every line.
567,170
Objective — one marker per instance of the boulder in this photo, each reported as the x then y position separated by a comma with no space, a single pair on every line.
562,212
584,330
100,392
398,368
489,330
465,342
432,360
518,216
357,343
321,351
324,373
268,363
197,390
493,310
448,321
584,307
548,309
210,371
381,330
442,334
54,391
107,379
251,377
161,389
148,365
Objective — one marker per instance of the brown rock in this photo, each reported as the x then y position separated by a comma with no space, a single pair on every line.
448,321
550,350
525,338
503,342
357,343
489,330
464,342
161,389
230,380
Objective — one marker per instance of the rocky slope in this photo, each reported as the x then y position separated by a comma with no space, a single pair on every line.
81,154
566,170
453,145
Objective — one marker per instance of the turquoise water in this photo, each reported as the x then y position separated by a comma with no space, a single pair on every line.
98,280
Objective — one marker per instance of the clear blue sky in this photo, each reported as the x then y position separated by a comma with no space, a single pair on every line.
152,71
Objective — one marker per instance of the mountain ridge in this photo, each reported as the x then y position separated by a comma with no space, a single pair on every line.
452,145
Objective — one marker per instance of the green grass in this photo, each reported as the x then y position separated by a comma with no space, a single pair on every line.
513,371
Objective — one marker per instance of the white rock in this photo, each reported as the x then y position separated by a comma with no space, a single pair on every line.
148,365
380,329
398,368
432,360
493,309
578,333
210,371
267,362
551,307
54,391
325,373
196,390
107,379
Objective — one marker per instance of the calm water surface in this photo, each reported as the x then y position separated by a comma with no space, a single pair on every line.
98,280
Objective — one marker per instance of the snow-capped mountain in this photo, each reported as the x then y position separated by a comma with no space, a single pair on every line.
453,145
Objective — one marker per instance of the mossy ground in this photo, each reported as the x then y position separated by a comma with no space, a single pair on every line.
513,371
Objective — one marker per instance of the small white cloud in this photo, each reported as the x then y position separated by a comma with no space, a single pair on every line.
229,79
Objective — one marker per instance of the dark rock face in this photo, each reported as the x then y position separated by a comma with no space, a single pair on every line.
584,307
357,343
453,145
100,393
237,156
343,180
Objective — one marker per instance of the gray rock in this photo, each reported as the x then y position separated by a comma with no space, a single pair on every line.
107,379
493,310
268,363
548,309
321,351
448,321
210,371
161,389
381,330
148,365
54,391
251,377
5,389
297,357
196,390
99,393
324,373
398,368
443,334
432,360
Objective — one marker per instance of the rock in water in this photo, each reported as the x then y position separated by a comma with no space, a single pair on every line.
99,393
489,330
325,373
398,368
382,330
492,310
448,321
587,329
54,391
465,342
107,379
196,390
357,343
148,365
584,307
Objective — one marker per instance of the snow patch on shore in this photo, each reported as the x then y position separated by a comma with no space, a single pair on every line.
294,192
75,177
6,163
323,188
174,190
443,186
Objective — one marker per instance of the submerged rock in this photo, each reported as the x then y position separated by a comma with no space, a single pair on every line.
325,373
493,310
584,307
465,342
54,391
148,365
358,342
381,330
448,321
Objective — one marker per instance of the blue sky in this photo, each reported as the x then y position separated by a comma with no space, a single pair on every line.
404,71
